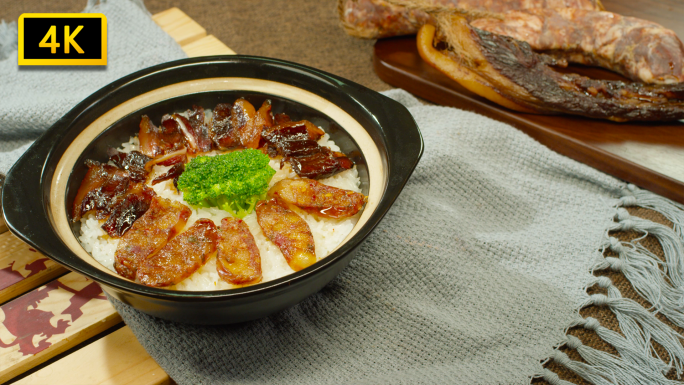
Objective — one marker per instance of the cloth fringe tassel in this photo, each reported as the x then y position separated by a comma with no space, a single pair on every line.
673,250
673,211
643,270
659,282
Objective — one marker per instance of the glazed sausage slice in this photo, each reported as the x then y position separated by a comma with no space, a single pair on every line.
289,232
181,257
238,259
164,219
317,198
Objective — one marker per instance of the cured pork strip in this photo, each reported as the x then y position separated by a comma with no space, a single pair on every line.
239,124
164,219
297,143
127,208
156,141
238,259
200,130
508,72
289,232
180,257
316,198
133,162
638,49
374,19
100,186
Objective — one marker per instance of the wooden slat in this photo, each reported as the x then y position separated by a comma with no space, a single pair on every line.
49,320
23,268
206,46
117,358
179,26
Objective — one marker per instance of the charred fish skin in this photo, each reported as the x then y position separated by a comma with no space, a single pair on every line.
180,257
316,198
638,49
289,232
373,19
238,259
164,219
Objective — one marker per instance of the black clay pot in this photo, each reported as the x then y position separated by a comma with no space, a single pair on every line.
378,134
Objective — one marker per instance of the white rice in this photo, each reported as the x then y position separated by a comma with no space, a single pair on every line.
327,233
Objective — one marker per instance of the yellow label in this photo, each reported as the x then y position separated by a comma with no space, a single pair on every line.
62,39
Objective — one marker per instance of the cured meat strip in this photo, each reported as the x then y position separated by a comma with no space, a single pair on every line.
195,132
178,123
238,259
200,129
169,159
264,122
98,189
296,143
174,172
320,165
281,118
317,198
289,232
508,72
221,130
638,49
127,209
236,125
243,122
164,219
181,257
374,19
133,162
155,141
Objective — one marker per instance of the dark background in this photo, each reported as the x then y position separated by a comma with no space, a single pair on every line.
89,38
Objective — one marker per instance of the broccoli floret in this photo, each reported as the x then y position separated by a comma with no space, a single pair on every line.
234,182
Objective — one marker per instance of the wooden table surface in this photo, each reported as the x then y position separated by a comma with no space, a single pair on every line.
57,327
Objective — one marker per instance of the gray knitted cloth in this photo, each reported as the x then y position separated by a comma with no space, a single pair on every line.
35,97
471,278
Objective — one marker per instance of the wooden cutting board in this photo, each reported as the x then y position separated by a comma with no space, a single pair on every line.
650,155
